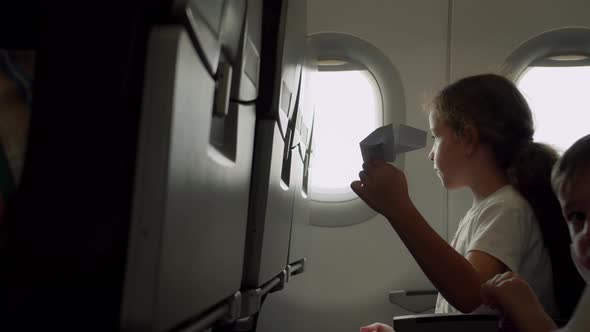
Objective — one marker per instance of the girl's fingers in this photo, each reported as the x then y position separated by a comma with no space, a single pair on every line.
360,189
489,288
376,327
486,292
506,276
376,162
494,279
499,278
357,187
363,176
369,328
372,164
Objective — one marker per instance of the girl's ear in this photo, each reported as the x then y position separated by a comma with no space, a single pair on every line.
470,139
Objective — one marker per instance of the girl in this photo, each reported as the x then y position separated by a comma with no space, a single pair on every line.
482,129
510,293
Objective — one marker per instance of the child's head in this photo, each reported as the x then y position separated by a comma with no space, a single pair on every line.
494,107
571,182
490,110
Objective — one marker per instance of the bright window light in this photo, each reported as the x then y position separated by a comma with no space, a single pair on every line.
560,102
348,108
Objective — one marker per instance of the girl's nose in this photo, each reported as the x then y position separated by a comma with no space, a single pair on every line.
431,154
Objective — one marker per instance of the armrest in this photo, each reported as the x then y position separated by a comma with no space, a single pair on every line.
416,301
446,322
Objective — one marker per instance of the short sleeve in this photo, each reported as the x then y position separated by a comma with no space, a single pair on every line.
498,232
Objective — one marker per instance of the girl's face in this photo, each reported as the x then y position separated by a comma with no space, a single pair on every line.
574,197
448,153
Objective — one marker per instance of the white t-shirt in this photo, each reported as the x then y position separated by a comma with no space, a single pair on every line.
503,225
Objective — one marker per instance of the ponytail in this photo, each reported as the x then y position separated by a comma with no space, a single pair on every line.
530,173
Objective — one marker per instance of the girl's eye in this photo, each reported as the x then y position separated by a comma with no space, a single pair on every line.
576,217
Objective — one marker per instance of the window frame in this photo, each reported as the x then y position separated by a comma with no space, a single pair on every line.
543,49
356,53
539,50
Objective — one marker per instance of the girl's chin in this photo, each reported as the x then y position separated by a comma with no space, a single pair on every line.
446,183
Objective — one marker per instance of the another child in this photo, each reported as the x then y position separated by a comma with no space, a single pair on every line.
510,293
482,129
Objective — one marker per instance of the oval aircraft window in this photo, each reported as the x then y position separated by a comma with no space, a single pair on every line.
552,70
348,108
559,99
356,90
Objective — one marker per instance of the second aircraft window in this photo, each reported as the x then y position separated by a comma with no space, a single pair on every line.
348,108
560,103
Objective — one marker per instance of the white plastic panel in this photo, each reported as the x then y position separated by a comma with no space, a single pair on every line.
245,86
300,228
300,232
189,221
293,49
290,54
205,18
271,209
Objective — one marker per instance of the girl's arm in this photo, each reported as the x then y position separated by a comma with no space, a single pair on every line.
457,278
383,187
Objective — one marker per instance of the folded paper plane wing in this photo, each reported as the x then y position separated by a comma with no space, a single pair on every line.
386,142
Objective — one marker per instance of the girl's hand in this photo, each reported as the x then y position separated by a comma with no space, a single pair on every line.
377,327
384,188
513,296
